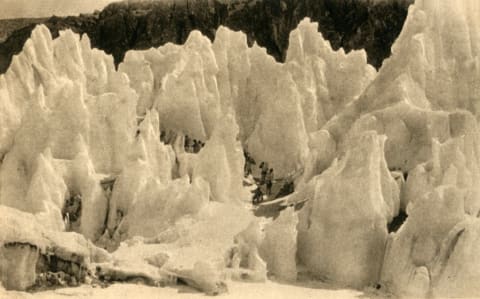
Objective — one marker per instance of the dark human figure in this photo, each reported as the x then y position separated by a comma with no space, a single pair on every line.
197,146
194,145
248,164
257,196
186,143
269,180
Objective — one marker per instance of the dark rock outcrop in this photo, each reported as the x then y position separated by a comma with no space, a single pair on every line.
351,24
10,25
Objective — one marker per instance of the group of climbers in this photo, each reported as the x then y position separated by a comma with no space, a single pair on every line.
267,178
193,146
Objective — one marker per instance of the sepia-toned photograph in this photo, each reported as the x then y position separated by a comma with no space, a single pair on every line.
270,149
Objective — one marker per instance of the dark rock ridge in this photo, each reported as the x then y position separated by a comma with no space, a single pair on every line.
9,25
352,24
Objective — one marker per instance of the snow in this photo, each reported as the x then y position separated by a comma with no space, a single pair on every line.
361,147
157,208
20,227
238,290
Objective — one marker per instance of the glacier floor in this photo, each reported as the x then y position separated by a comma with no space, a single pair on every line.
270,289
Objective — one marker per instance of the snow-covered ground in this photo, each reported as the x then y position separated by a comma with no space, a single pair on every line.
266,290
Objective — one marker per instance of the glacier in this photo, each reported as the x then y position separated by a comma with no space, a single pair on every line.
365,148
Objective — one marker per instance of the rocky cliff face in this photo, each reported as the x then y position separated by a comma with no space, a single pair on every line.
351,24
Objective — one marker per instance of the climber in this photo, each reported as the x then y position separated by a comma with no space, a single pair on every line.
196,146
189,148
247,169
257,196
261,169
269,181
187,144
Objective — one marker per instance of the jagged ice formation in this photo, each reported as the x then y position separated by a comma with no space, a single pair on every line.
369,147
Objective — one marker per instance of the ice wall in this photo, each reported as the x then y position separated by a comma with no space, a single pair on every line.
424,100
342,230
